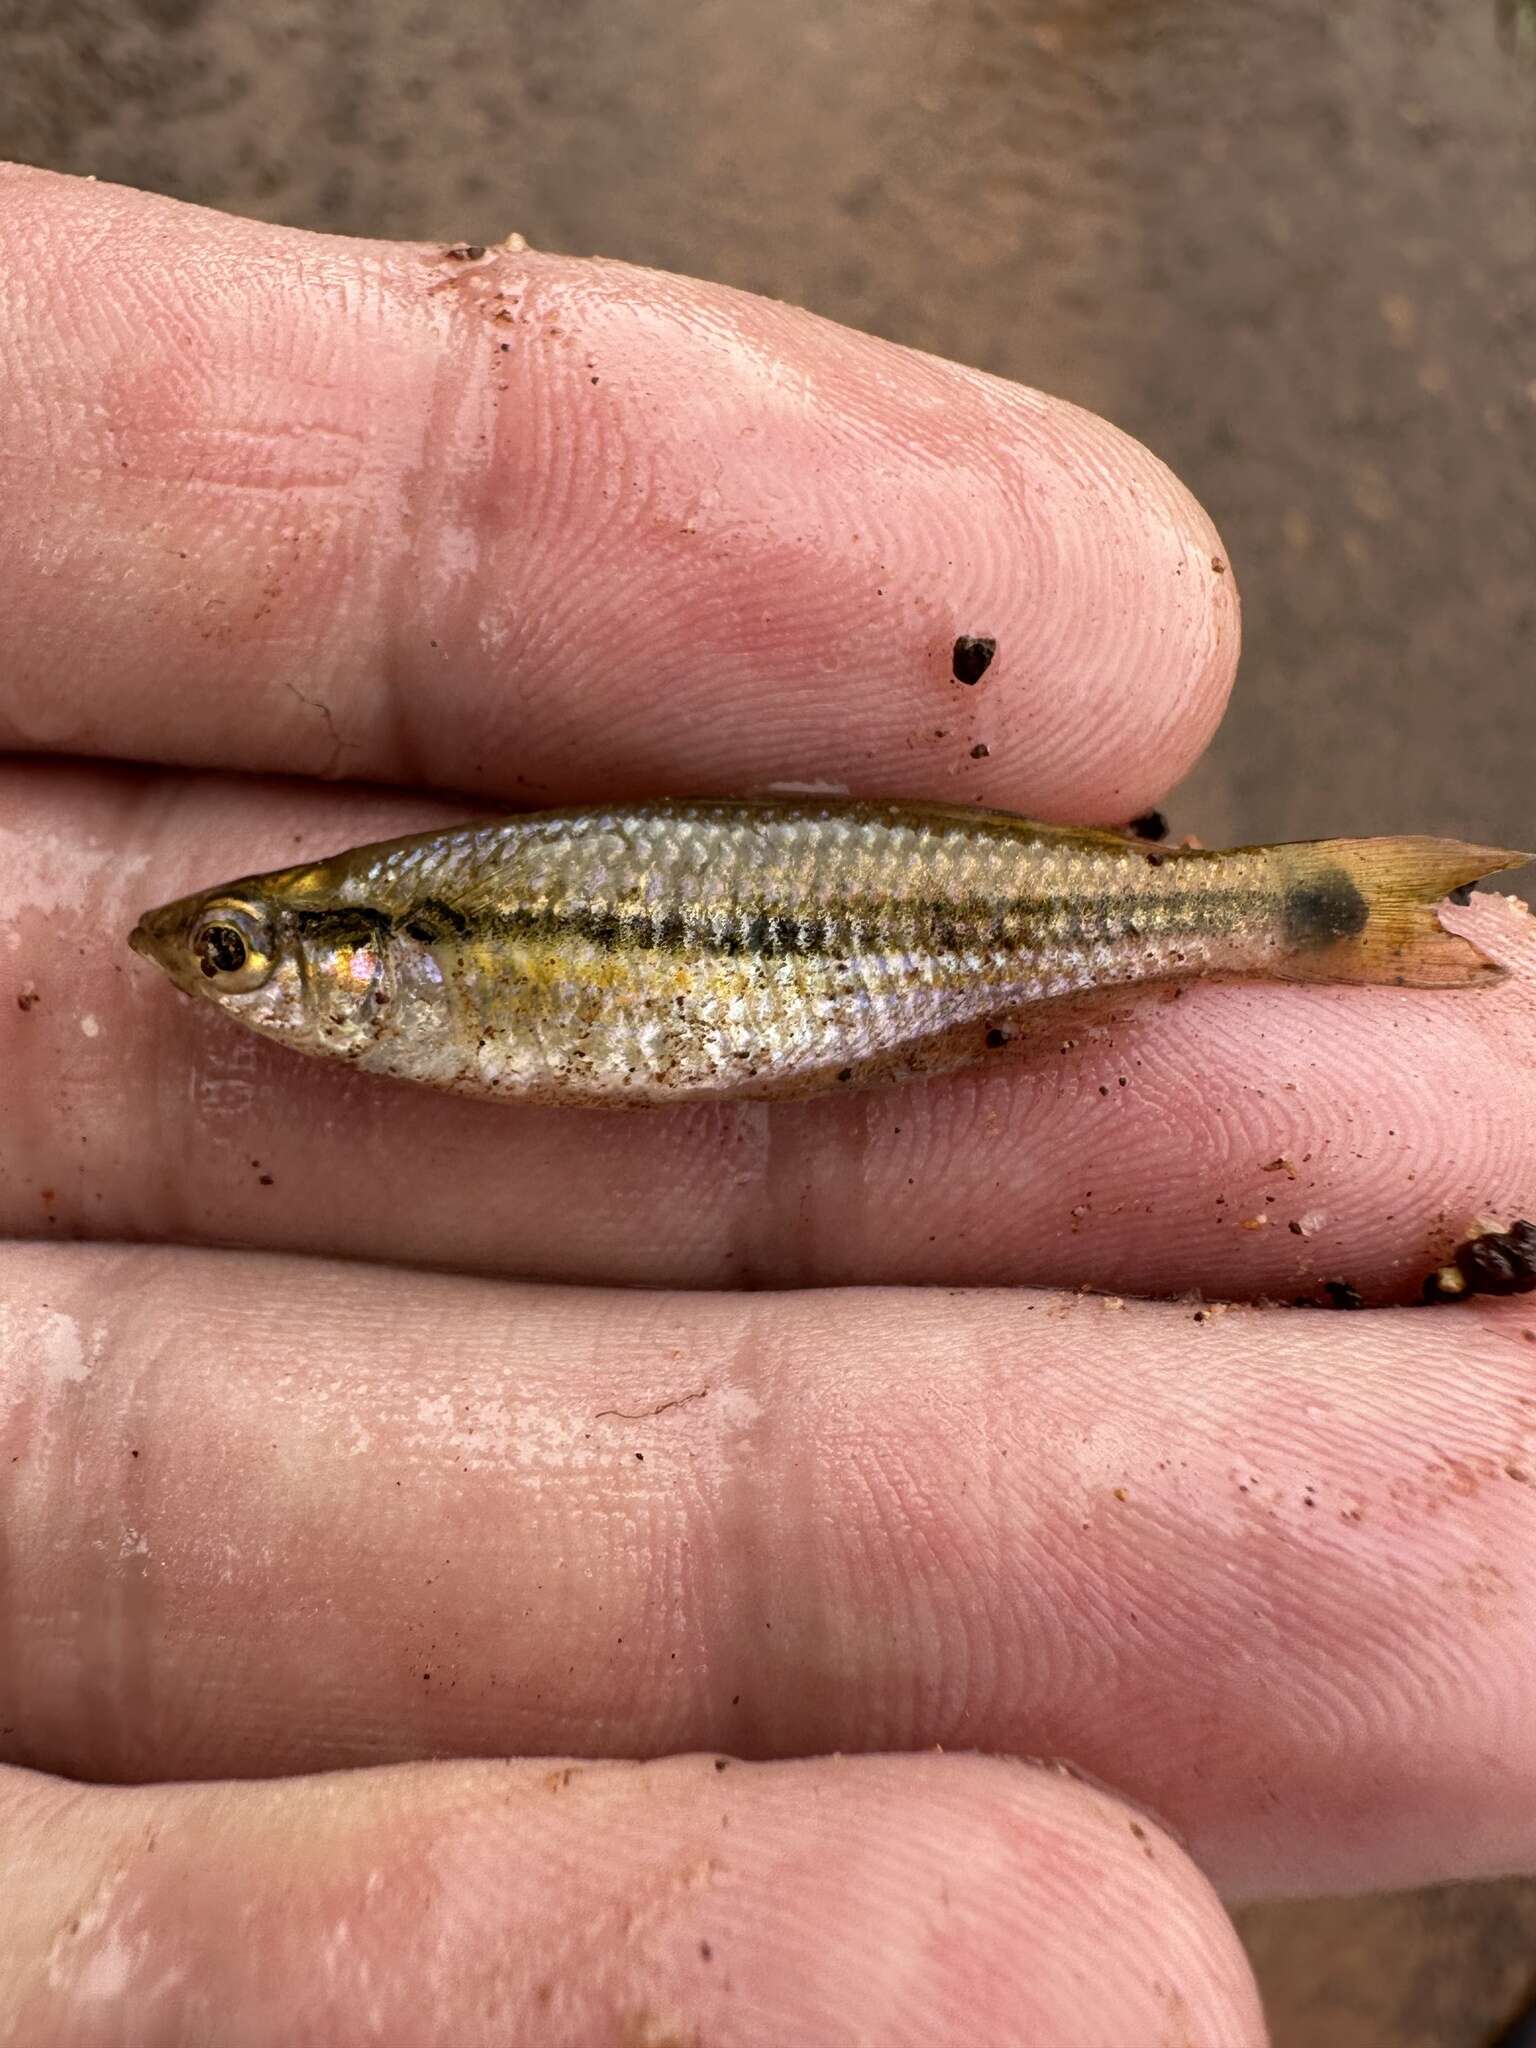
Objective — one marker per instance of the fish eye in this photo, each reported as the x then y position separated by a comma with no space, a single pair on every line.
232,945
222,950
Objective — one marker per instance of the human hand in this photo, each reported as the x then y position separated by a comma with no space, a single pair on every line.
535,530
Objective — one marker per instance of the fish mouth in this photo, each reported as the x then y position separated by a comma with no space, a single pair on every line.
161,936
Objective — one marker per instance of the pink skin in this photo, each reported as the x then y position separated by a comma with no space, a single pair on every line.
1267,1573
921,1902
279,503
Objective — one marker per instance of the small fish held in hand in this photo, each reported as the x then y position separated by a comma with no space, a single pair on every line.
667,952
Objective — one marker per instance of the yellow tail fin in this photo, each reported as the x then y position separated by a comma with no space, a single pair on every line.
1363,910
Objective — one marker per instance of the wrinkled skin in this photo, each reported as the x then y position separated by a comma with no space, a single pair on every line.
285,505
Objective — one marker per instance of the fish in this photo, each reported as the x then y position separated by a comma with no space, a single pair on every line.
680,951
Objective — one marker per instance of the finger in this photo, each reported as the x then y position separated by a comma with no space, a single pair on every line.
1249,1141
1271,1574
533,526
906,1900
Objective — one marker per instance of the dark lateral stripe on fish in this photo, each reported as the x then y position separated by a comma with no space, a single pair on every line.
355,925
862,925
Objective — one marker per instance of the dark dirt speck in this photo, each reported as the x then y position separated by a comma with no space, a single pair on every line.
1445,1285
972,657
28,999
1150,825
980,751
1341,1295
1500,1261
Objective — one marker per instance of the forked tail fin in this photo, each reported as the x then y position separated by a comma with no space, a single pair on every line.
1363,910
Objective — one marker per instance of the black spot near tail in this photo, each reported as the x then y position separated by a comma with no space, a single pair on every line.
1327,907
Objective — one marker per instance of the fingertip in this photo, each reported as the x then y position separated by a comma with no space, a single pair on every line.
924,1902
1129,1907
1131,626
532,526
803,528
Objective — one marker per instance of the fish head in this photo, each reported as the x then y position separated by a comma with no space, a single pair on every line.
234,947
312,959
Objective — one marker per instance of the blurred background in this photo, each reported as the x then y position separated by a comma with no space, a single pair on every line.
1291,246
